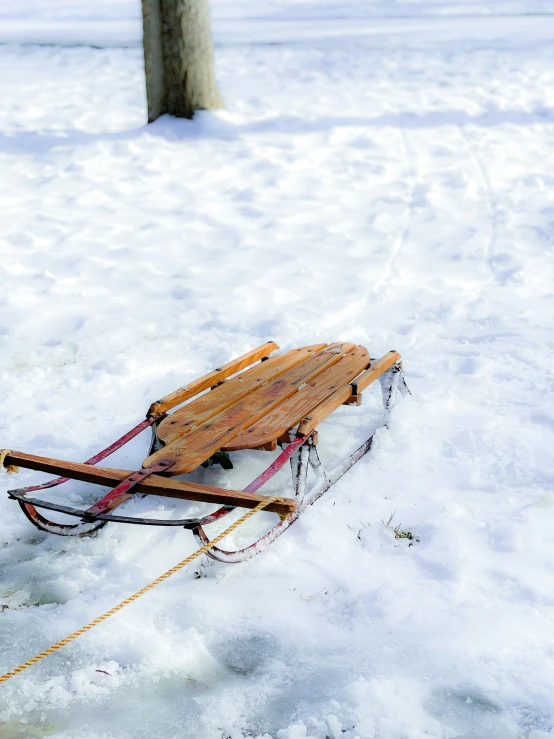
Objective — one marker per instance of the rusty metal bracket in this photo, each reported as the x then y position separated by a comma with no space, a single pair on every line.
125,487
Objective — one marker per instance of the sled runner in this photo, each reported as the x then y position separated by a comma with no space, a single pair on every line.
253,402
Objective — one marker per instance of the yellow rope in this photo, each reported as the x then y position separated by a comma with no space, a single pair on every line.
263,504
9,467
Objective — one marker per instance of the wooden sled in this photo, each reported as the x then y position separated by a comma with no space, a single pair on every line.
277,401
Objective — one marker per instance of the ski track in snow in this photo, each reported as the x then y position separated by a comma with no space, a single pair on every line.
493,205
388,272
395,191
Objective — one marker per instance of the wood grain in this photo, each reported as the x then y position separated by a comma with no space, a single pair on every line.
324,409
288,414
376,370
200,410
330,404
203,383
189,451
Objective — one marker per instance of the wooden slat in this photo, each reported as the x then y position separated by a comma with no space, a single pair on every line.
320,413
189,451
377,369
153,485
198,411
288,414
203,383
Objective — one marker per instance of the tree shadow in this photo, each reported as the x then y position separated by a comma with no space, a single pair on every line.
222,127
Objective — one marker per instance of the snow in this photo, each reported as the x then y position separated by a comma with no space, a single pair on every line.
391,187
118,22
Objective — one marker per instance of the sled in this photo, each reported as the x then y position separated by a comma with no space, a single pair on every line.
257,401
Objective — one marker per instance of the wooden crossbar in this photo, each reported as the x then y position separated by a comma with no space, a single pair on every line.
153,485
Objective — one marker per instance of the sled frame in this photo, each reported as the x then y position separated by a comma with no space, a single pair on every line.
299,447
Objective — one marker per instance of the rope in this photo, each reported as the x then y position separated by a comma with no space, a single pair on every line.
54,648
10,468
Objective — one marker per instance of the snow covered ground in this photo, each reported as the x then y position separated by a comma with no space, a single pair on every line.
118,22
391,188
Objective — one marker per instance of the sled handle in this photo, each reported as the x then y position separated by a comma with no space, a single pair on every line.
159,407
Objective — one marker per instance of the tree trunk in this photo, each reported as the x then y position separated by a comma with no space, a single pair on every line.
178,58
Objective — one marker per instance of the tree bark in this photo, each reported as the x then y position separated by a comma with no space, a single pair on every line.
178,58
